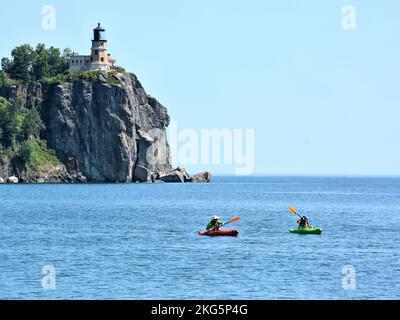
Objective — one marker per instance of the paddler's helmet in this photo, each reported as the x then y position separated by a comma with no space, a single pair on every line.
215,218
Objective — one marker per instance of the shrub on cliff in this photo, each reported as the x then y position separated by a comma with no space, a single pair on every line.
56,80
35,155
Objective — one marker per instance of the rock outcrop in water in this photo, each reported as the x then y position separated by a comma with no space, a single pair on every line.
103,129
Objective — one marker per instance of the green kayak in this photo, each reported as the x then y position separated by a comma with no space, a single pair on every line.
306,230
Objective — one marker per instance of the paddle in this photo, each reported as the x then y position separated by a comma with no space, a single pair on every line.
233,220
293,210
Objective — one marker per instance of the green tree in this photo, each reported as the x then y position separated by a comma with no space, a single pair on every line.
58,64
40,64
47,62
21,65
3,78
29,63
67,53
5,64
31,125
19,137
8,123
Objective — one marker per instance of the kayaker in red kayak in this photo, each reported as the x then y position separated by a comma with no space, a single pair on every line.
214,224
304,223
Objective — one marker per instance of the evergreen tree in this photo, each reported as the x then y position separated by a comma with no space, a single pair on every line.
8,123
40,67
21,66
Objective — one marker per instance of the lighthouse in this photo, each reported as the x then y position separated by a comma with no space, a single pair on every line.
99,55
99,59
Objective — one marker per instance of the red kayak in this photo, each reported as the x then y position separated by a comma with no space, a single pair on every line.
220,233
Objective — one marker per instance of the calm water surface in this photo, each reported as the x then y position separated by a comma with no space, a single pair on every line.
129,241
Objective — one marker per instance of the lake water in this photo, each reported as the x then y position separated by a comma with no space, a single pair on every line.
131,241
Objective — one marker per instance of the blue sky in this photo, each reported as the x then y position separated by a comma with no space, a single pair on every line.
321,99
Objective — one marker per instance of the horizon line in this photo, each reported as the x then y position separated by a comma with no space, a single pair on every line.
309,175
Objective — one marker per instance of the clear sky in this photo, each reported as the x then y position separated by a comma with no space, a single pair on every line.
321,99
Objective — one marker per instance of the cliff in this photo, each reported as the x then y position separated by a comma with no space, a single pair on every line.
103,127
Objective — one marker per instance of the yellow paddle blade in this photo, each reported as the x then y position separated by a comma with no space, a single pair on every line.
235,219
293,210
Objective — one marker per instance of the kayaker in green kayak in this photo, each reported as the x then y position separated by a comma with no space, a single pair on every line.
304,223
214,224
305,226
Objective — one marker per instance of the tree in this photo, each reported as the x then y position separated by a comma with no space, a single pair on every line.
28,63
40,64
67,53
5,64
8,123
32,124
3,78
58,64
21,66
3,104
17,126
48,62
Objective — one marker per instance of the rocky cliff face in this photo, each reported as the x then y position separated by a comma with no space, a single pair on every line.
106,129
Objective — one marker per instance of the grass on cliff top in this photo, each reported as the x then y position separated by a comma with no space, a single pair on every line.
56,80
83,75
36,156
